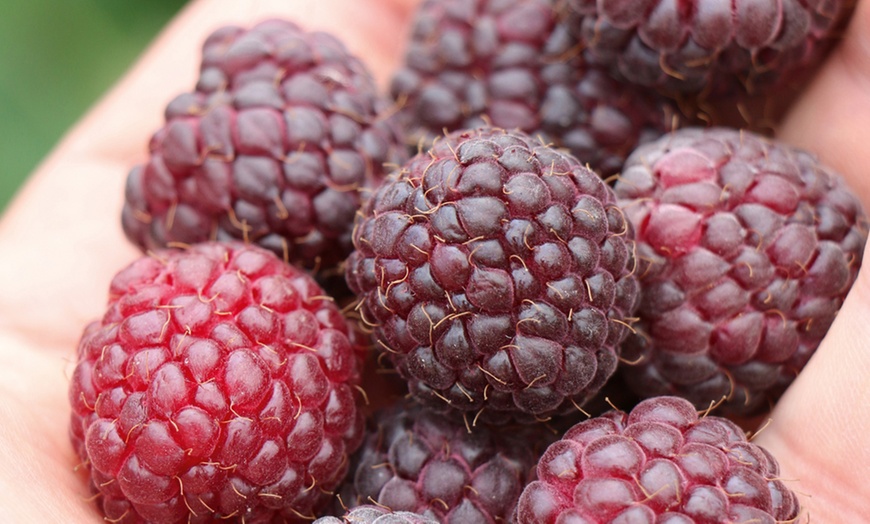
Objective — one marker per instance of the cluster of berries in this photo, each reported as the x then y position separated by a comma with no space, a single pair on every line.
564,231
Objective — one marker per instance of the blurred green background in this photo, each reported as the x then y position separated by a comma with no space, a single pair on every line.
57,57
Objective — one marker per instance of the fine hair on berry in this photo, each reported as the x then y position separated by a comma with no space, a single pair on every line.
220,383
416,460
497,276
514,64
659,464
746,248
277,145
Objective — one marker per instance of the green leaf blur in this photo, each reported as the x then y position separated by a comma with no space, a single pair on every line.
57,57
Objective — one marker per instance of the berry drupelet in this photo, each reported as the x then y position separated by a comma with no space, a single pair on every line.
276,146
218,384
707,48
496,273
513,64
659,464
746,249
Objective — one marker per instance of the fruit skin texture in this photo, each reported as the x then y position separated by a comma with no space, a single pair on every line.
707,47
746,250
414,459
513,64
276,145
496,273
219,382
371,514
660,463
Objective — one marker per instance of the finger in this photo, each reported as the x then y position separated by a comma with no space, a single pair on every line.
40,475
819,428
61,240
832,117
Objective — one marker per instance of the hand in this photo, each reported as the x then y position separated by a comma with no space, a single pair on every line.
61,242
61,239
820,429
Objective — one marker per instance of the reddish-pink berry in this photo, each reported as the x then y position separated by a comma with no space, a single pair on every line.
219,383
659,464
746,250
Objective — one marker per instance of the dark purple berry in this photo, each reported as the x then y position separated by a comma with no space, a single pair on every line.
513,64
276,146
707,47
372,514
420,461
496,273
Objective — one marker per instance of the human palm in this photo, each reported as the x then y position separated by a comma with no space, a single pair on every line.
61,242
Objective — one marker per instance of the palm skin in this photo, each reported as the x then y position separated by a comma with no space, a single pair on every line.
61,239
61,242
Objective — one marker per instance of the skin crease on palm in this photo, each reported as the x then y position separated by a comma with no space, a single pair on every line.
61,242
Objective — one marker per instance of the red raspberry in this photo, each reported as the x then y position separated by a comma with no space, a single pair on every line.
746,250
497,273
660,464
219,383
283,133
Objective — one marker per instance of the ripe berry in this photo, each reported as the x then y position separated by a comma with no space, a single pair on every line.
496,273
417,460
707,46
659,464
514,65
371,514
218,384
746,250
283,133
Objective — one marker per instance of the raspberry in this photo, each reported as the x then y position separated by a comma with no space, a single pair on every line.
275,146
219,383
746,249
496,273
707,46
659,463
371,514
512,64
417,460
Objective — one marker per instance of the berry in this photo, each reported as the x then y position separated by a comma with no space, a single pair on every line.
707,46
512,64
275,146
219,383
371,514
746,249
496,274
420,461
659,463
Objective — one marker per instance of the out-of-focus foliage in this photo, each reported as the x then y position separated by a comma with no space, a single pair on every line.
56,58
